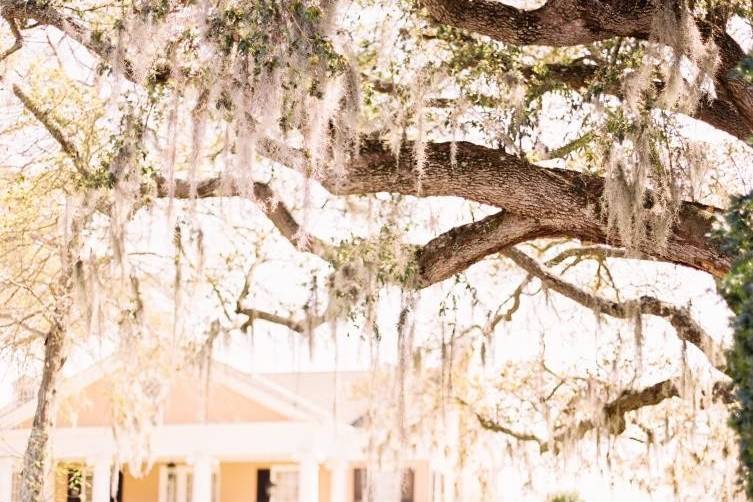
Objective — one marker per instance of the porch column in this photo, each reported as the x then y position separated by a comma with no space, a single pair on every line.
101,486
6,479
202,479
339,481
308,480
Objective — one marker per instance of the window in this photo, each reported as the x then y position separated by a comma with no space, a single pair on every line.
284,484
437,486
384,482
407,485
176,483
263,485
359,485
78,484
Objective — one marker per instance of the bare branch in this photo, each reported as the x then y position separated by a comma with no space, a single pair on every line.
45,14
264,197
45,119
589,252
612,416
18,42
302,326
686,327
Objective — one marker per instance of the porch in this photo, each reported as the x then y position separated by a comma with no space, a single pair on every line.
284,461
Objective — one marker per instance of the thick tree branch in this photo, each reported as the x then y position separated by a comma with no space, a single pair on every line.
557,23
576,22
559,203
719,112
536,202
686,327
302,326
563,203
461,247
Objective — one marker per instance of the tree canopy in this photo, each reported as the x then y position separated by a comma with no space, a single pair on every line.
446,177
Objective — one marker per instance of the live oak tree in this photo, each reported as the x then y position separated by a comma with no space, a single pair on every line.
576,121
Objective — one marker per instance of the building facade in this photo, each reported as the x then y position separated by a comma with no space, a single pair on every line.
246,438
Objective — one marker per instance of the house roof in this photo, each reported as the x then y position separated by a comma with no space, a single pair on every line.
306,396
334,391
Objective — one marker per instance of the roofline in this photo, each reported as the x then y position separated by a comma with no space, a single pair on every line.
16,413
252,386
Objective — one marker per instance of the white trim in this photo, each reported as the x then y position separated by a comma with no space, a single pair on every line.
270,394
6,479
251,441
181,480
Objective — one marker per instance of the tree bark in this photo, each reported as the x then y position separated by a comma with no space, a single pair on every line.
542,202
37,462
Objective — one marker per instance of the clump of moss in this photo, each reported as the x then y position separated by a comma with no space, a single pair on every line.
363,266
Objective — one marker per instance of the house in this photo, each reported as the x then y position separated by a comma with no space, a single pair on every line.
253,438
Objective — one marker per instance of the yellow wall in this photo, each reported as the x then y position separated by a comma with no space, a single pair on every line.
325,483
238,482
144,489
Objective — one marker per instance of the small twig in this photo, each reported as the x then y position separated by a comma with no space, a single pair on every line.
18,43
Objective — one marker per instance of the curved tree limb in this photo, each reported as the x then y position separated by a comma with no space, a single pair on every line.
266,200
558,23
686,327
569,203
555,202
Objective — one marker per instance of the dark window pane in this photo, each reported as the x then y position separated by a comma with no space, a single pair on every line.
263,484
75,479
407,485
359,485
119,494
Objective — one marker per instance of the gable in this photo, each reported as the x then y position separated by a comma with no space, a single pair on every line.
92,405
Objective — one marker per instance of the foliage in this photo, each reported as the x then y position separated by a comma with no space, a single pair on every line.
737,290
565,497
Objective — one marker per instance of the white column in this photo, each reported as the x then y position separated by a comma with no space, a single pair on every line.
308,480
6,479
339,481
202,479
101,486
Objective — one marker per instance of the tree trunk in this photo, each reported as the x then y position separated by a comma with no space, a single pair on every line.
37,461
